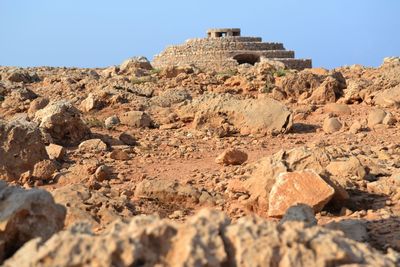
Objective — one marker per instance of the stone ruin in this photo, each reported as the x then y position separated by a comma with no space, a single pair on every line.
226,49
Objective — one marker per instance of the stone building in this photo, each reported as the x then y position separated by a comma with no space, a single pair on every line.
225,49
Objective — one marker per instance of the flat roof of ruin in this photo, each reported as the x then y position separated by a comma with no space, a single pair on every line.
224,30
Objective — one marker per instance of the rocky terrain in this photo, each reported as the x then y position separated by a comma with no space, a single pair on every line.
257,166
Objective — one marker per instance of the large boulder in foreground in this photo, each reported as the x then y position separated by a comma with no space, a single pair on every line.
63,122
21,147
206,239
24,215
224,114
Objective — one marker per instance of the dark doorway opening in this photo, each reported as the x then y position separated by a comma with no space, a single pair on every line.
247,58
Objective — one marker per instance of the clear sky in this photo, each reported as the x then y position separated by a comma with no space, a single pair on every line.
98,33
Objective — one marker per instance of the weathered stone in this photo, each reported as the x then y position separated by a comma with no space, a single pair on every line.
21,147
63,122
136,119
337,109
300,212
207,239
228,113
127,139
36,105
170,97
356,127
119,154
24,215
93,145
44,170
231,157
55,151
348,168
388,98
293,188
111,122
92,207
353,229
331,125
376,117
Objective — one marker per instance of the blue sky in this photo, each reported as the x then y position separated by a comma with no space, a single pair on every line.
97,33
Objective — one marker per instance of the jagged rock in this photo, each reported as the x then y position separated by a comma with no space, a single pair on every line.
19,75
63,122
135,66
331,125
173,71
55,151
21,147
18,99
44,170
206,239
24,215
93,145
224,114
231,157
292,188
135,119
92,207
36,105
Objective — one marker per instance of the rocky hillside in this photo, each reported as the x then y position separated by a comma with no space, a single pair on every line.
256,166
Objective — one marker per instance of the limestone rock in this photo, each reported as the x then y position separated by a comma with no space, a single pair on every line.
292,188
44,170
21,147
119,154
231,157
331,125
136,119
55,151
134,65
24,215
165,190
206,239
356,127
93,145
376,117
111,122
92,207
300,212
213,112
170,97
63,122
347,168
36,105
388,98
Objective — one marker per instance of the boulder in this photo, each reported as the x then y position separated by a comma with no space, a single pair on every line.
331,125
24,215
376,117
111,121
119,154
44,170
206,239
21,147
388,98
63,122
337,109
231,157
136,119
55,151
224,114
170,97
347,168
92,146
292,188
135,66
36,105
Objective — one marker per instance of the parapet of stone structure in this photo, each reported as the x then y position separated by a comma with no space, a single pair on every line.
226,49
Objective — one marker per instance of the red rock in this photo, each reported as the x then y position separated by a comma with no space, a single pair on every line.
231,157
292,188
